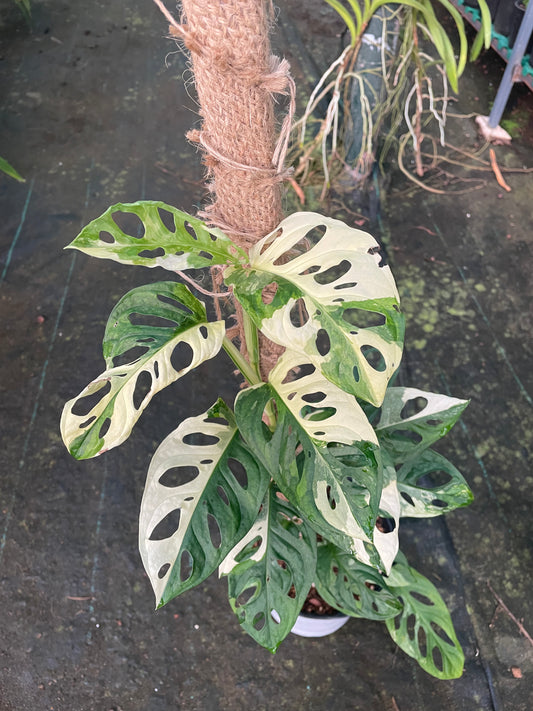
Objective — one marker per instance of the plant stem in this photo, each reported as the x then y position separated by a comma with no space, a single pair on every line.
250,373
251,338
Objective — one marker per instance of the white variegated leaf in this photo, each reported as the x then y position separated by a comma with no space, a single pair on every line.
334,301
205,476
122,392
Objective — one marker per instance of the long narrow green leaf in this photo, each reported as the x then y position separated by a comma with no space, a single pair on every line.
8,169
203,491
187,244
104,413
271,570
348,19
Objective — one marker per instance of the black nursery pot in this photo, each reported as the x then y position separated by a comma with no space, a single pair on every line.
516,21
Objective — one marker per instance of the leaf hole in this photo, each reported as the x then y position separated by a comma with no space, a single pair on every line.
246,596
259,621
87,422
190,229
239,472
268,293
129,223
299,372
163,570
167,527
439,503
205,255
406,436
328,276
200,439
132,355
363,318
152,253
177,476
167,219
185,566
104,429
410,626
413,407
346,285
85,404
165,299
204,332
331,499
407,498
214,531
315,234
356,375
248,550
181,357
137,319
374,358
385,524
382,262
310,270
441,633
436,655
317,414
143,385
106,237
434,479
271,239
314,397
422,641
423,599
298,314
323,344
222,493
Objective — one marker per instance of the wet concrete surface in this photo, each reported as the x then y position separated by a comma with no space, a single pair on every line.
91,115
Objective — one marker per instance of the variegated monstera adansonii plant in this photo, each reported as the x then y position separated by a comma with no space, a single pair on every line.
305,481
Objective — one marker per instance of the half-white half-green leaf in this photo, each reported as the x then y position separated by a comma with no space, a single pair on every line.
319,287
322,452
203,491
411,420
271,570
155,334
154,234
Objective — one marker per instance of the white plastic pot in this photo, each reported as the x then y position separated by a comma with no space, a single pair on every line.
318,625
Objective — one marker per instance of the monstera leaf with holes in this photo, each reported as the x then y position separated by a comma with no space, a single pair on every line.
352,587
156,235
424,628
412,420
271,570
321,451
90,428
334,301
202,494
323,456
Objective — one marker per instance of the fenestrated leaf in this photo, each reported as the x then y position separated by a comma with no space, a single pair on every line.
352,587
412,420
431,485
323,456
271,570
334,301
89,428
203,491
385,542
150,243
424,629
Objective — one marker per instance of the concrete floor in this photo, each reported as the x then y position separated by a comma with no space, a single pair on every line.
91,115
